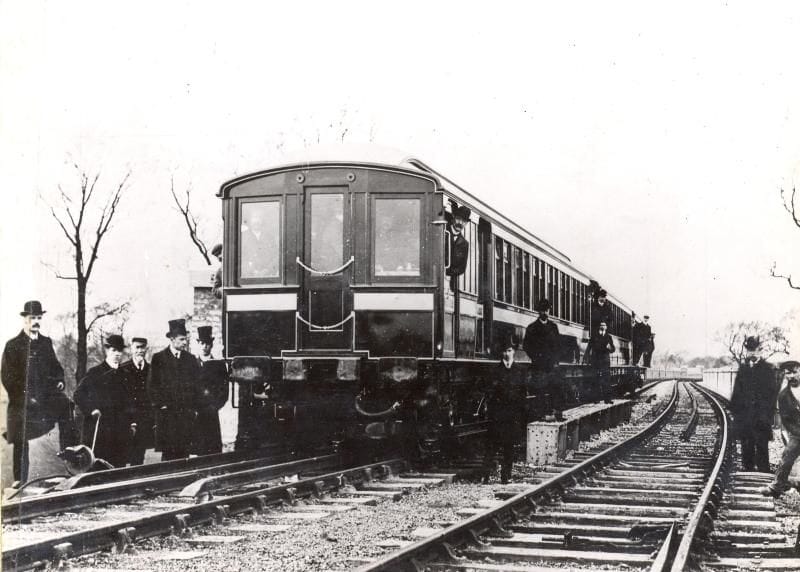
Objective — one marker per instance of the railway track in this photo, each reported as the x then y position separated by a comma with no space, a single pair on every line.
645,503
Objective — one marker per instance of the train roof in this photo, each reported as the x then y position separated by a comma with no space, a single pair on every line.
370,155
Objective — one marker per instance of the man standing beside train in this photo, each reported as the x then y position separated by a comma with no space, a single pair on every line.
598,355
647,341
213,393
601,310
755,390
542,343
505,404
173,389
789,408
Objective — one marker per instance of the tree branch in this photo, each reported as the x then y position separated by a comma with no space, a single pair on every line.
790,206
106,216
189,219
105,311
788,278
55,271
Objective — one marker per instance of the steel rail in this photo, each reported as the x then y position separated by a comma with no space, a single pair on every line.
706,507
182,519
524,503
84,497
693,418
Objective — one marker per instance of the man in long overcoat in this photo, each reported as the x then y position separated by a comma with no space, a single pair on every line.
136,371
598,355
34,381
173,389
542,343
789,408
213,394
752,403
601,311
103,399
505,403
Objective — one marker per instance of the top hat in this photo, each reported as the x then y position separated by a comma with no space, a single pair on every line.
752,343
646,317
177,328
543,305
32,308
114,341
602,294
139,341
509,341
462,212
204,335
790,365
217,250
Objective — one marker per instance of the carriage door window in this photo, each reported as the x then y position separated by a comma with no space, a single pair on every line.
327,222
397,242
260,232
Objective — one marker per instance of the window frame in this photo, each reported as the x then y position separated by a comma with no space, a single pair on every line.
422,277
252,280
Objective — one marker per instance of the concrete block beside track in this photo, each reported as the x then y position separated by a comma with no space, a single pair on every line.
549,441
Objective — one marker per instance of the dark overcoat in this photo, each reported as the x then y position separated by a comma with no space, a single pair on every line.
599,350
542,343
141,408
790,412
213,394
753,398
459,255
30,374
505,398
103,388
601,314
173,389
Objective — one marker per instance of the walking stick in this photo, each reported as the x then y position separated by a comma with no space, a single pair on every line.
96,414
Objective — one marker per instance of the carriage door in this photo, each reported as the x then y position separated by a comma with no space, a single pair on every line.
326,319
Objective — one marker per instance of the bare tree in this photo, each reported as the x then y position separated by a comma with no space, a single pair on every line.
74,215
791,208
191,221
773,338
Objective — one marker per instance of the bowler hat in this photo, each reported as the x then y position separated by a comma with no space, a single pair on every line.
204,334
217,250
602,294
139,341
752,343
32,308
509,341
543,305
790,365
646,317
114,341
177,328
462,212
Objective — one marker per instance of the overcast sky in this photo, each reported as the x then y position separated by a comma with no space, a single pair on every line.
647,143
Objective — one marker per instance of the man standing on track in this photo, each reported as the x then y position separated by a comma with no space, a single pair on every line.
505,408
753,406
213,393
789,407
173,388
542,343
136,371
34,381
598,355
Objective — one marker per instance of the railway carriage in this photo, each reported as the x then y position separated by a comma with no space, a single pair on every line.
342,318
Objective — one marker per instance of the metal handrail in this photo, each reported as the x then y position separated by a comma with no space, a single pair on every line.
325,272
350,316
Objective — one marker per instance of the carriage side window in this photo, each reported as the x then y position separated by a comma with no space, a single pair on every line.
526,280
259,236
507,273
498,268
396,240
519,288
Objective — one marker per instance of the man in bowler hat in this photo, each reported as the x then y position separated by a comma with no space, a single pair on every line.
755,390
598,355
505,403
213,394
459,246
789,408
542,343
601,310
103,399
216,279
136,371
34,381
173,388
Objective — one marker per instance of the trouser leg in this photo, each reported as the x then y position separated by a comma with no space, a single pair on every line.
762,454
508,459
637,355
790,454
748,453
20,460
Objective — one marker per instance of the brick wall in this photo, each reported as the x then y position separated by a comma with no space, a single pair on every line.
206,311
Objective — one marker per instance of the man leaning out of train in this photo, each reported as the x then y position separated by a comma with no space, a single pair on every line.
789,408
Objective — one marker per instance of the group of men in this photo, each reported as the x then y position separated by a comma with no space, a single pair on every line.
642,340
171,404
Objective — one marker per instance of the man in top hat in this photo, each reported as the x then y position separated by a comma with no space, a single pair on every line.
601,311
789,408
173,388
34,381
598,355
103,399
505,404
542,343
753,406
136,371
459,246
213,389
216,280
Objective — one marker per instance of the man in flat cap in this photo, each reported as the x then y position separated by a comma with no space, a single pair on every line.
173,388
213,394
103,399
216,282
34,381
753,406
136,371
598,355
505,402
542,343
789,408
